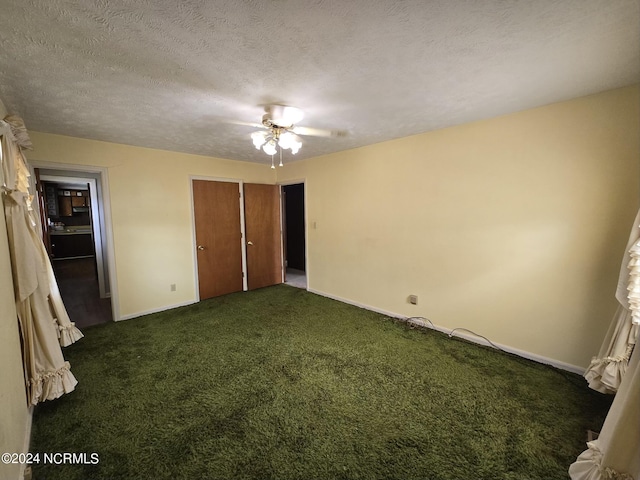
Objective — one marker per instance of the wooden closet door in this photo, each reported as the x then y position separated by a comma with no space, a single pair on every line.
262,227
216,208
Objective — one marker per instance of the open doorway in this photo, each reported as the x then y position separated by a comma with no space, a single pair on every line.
73,229
293,210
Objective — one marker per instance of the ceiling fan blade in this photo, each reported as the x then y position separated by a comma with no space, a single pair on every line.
245,124
319,132
283,115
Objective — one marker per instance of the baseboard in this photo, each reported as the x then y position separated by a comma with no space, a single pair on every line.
156,310
467,336
356,304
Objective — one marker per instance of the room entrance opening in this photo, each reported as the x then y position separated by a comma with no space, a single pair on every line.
294,242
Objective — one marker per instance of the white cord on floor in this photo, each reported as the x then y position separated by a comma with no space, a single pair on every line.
420,318
477,335
450,334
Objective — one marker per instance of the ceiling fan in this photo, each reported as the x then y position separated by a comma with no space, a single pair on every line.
280,129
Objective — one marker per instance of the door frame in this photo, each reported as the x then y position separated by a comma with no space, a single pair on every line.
307,268
104,220
95,225
194,253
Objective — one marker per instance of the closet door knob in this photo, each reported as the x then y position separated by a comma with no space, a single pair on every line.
249,243
200,247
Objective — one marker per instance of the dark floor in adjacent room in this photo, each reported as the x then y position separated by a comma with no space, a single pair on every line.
78,283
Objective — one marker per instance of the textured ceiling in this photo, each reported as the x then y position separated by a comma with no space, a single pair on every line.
175,74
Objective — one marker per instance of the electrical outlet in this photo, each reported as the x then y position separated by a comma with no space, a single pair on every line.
173,287
413,299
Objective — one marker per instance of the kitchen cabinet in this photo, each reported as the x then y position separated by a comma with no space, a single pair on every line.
68,199
64,206
81,201
68,245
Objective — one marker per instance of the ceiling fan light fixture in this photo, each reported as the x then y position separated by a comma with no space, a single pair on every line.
279,131
259,138
270,147
296,143
285,140
290,141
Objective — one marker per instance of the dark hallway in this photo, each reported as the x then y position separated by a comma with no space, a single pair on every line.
294,235
294,219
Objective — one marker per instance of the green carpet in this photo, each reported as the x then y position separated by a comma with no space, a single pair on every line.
280,383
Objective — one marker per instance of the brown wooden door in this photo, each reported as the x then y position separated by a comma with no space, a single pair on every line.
216,208
262,227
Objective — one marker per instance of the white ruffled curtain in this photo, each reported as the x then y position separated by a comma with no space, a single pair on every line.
607,369
615,455
44,322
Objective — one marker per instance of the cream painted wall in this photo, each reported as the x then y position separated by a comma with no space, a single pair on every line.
151,214
512,227
14,414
